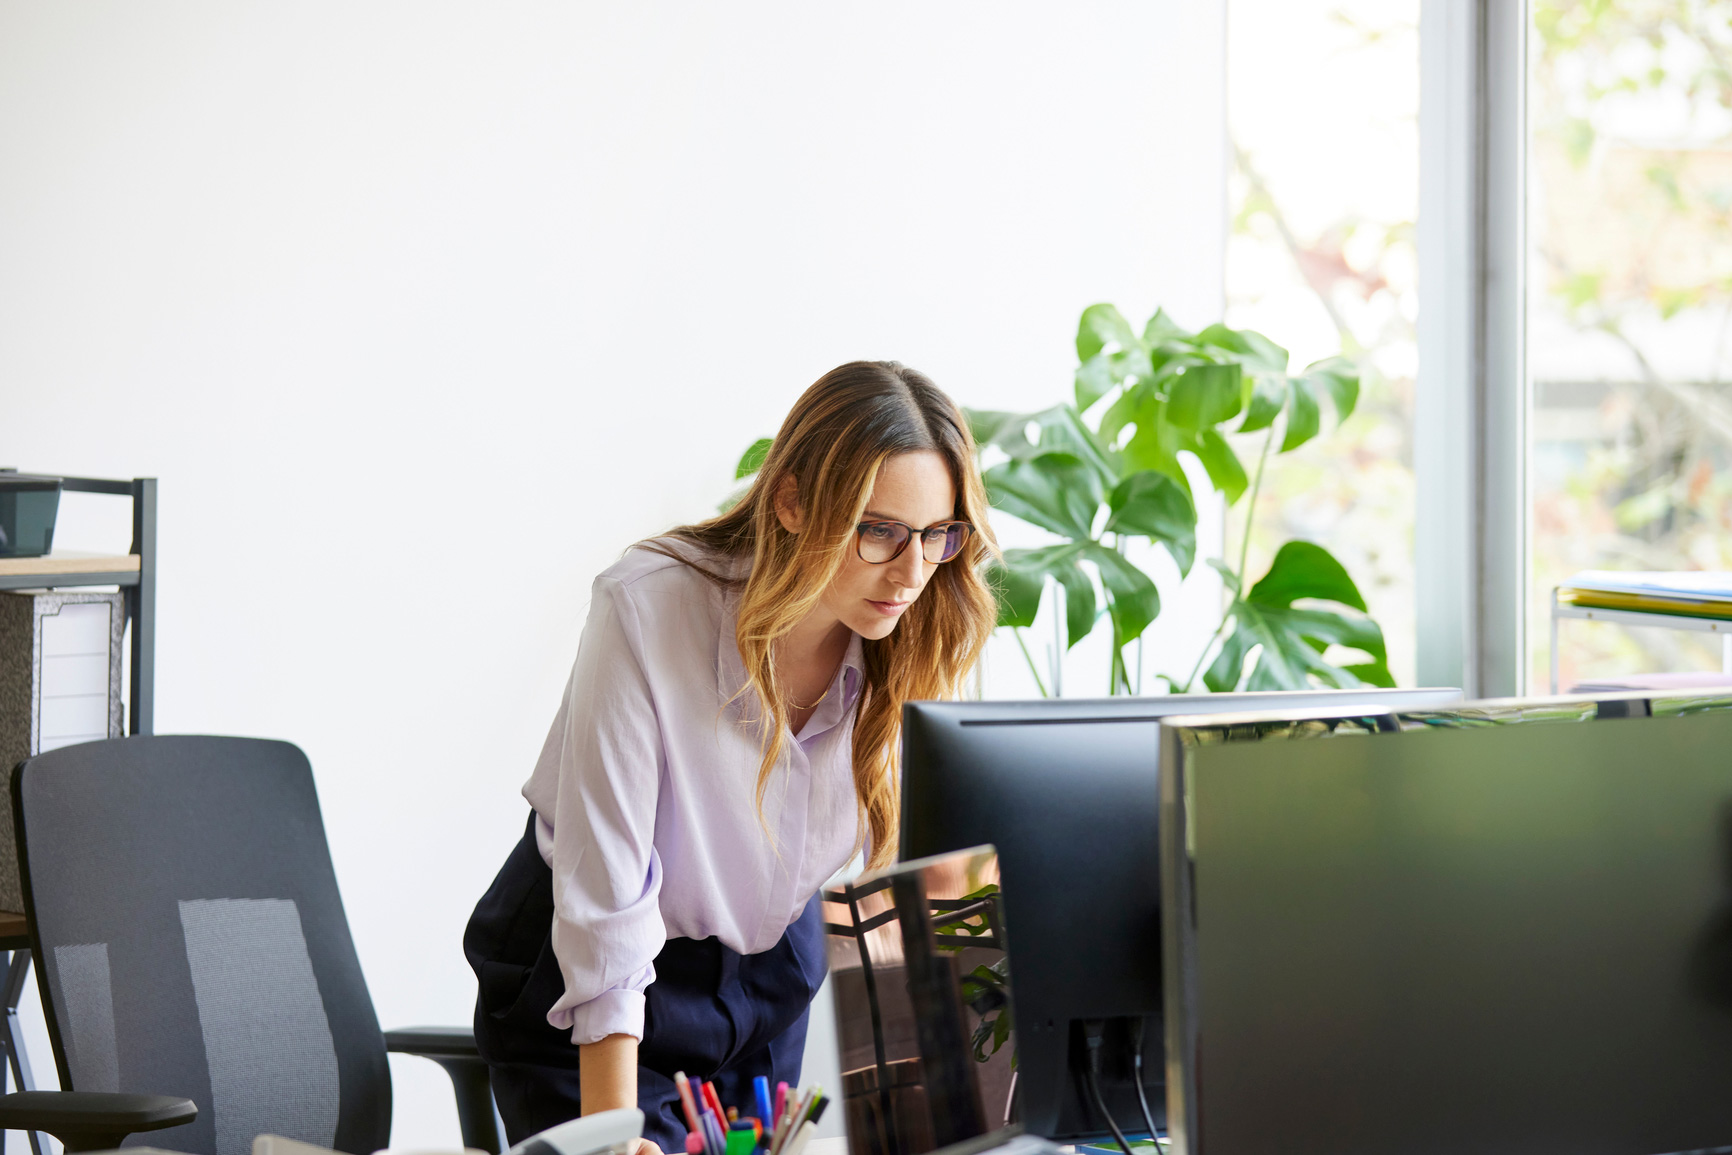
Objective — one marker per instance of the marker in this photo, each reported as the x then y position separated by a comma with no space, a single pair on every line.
775,1120
714,1100
694,1143
685,1089
713,1134
817,1111
761,1091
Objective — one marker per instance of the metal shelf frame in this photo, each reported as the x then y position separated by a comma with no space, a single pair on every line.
1720,626
138,586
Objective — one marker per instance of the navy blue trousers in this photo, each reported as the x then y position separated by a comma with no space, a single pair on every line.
711,1012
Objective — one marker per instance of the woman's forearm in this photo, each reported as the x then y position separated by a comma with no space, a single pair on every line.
607,1073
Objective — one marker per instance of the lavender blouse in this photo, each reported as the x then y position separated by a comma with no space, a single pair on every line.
645,793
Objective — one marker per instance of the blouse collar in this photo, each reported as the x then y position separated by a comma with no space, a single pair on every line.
839,698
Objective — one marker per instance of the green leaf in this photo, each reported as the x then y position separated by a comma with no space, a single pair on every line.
1133,602
1104,372
1304,569
1203,396
1225,472
1373,673
1268,395
1102,325
1059,492
1162,328
1228,669
1017,592
1059,562
752,459
1290,654
1081,609
988,425
1254,349
1094,380
1303,419
1340,377
1058,430
1290,642
1156,444
1151,504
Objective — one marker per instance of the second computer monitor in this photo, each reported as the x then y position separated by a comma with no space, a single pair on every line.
1067,791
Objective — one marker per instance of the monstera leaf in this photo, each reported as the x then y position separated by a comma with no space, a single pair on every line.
1293,639
1062,493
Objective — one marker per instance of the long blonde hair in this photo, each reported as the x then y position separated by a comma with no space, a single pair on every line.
840,431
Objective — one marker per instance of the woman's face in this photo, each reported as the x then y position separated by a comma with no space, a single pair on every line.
912,488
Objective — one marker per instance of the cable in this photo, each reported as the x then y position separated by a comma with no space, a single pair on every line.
1092,1030
1137,1073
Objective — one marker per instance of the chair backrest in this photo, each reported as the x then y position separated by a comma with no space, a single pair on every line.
191,941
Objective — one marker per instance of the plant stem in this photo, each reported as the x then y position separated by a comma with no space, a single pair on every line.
1117,675
1029,658
1251,506
1244,555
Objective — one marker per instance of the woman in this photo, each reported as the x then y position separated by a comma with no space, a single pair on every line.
726,744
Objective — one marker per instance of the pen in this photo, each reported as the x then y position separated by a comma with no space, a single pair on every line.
713,1133
714,1100
761,1091
775,1120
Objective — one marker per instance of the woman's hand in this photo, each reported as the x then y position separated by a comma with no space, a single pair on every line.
645,1147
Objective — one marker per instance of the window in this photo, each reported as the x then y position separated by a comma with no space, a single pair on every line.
1629,333
1323,101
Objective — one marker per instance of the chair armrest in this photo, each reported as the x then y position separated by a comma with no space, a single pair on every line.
453,1048
92,1120
433,1042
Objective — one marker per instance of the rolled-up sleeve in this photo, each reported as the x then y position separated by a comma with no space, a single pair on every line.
598,778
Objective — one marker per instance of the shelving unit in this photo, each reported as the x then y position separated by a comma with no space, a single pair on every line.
134,572
1720,626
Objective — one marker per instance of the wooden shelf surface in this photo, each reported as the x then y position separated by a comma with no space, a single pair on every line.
69,562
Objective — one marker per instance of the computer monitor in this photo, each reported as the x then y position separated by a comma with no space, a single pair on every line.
1506,928
1066,790
925,1009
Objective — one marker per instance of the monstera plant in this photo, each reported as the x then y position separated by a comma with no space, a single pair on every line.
1105,469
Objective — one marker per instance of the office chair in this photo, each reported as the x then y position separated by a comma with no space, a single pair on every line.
194,958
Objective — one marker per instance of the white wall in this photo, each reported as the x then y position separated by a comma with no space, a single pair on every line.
423,311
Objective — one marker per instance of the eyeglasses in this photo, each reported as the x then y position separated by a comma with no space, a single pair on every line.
883,541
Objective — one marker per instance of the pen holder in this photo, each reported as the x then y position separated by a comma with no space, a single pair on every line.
28,507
